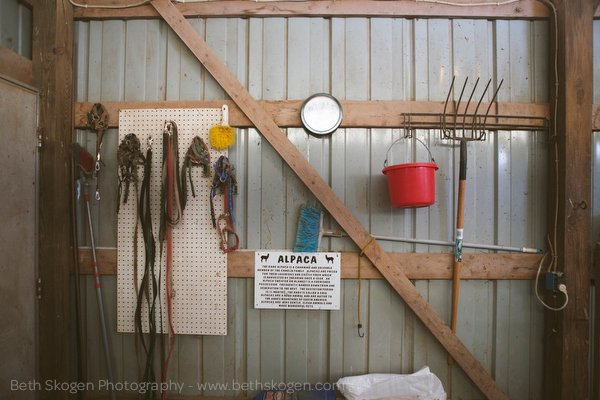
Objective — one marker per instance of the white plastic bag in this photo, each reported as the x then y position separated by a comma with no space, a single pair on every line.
422,385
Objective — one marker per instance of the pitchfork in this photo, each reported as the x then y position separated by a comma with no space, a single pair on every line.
475,131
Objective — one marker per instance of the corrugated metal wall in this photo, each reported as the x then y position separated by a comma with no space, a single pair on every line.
15,27
501,322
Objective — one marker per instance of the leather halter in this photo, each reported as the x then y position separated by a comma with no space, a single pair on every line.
224,178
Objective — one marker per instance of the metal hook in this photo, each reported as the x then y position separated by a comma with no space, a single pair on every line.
359,328
582,205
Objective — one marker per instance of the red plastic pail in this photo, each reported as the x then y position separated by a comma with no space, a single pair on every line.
411,185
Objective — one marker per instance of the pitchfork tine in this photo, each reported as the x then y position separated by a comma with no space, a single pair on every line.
458,105
478,104
467,107
491,102
449,91
446,105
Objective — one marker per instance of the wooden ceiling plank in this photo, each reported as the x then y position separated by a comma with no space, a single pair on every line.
329,199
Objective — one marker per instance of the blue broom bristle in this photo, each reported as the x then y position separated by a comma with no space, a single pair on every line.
309,230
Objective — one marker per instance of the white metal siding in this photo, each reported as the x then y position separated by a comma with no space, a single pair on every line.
353,59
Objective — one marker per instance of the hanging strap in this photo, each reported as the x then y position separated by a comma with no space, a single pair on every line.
148,289
170,174
129,157
362,252
171,191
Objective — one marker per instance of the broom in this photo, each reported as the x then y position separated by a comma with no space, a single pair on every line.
222,136
310,230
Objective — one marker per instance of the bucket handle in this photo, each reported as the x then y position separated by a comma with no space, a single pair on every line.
406,137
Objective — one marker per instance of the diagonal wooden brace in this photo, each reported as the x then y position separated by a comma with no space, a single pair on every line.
267,127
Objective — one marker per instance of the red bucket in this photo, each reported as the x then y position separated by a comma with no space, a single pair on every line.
411,185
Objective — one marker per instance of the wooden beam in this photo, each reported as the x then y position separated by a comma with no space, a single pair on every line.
240,264
16,66
107,261
567,344
315,183
525,9
357,114
52,51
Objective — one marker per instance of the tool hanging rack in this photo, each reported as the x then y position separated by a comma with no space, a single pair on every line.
468,125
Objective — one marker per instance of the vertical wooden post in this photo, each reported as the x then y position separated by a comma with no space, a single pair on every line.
567,334
52,51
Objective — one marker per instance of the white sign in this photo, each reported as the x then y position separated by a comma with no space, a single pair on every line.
308,281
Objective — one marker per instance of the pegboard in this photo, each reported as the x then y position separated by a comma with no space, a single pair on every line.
199,267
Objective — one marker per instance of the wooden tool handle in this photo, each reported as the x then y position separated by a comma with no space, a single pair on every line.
460,221
455,290
457,257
